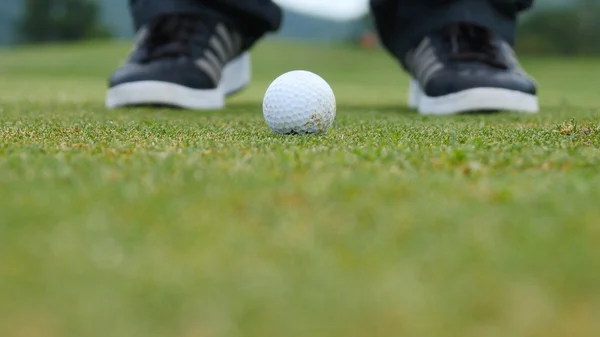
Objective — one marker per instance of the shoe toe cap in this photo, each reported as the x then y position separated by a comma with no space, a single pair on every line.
453,82
178,72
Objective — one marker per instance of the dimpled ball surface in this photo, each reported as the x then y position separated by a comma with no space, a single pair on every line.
299,102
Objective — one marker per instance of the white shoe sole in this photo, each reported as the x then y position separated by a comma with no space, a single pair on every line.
477,99
236,75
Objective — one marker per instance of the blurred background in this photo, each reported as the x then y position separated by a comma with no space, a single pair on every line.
559,27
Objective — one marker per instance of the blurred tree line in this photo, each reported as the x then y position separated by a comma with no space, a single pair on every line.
564,30
60,21
572,29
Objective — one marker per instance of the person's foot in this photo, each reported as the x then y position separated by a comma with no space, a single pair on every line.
183,61
466,68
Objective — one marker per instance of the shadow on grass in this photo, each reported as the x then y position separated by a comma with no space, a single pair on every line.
382,108
246,108
251,108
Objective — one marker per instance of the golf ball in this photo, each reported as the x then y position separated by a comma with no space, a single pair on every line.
299,102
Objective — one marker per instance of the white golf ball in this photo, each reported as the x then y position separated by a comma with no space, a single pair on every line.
299,102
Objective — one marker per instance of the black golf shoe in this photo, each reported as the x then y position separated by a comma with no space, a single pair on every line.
185,61
466,68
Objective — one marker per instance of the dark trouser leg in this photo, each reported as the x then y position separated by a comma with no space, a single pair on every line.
252,17
402,24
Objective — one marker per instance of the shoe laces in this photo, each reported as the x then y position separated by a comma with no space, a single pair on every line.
472,43
173,36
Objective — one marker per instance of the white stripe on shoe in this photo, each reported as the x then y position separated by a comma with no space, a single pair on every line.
236,75
472,100
163,93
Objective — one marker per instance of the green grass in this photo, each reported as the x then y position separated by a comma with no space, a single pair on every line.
143,223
